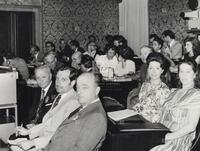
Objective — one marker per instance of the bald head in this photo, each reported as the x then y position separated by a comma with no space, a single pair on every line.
87,88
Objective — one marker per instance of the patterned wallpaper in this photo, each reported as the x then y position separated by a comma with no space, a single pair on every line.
164,14
77,19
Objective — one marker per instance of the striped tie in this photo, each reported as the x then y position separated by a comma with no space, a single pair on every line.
56,101
39,107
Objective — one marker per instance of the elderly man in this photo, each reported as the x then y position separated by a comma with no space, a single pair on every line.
63,105
85,129
51,61
76,60
43,100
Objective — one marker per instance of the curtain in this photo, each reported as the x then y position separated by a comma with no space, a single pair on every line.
133,23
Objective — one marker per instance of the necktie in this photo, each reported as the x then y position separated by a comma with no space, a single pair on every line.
74,112
56,101
39,107
42,95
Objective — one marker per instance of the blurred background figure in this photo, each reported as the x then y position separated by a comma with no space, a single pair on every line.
108,62
126,65
50,47
192,49
75,46
16,62
76,60
36,55
64,52
88,64
92,50
92,38
51,61
151,38
108,41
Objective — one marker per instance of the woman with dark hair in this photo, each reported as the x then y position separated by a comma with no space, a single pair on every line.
125,64
192,49
192,52
153,91
181,110
87,63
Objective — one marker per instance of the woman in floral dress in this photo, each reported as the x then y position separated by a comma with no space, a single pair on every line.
182,111
153,92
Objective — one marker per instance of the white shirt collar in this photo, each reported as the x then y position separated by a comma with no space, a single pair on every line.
96,100
47,88
170,44
67,93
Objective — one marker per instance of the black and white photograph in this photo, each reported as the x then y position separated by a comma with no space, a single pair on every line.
99,75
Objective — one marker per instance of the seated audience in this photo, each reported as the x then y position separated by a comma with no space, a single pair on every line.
107,61
75,46
76,60
125,66
85,130
50,47
43,100
181,110
153,91
64,104
16,62
36,56
51,61
175,47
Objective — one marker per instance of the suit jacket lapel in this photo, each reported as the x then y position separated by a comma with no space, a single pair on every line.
76,114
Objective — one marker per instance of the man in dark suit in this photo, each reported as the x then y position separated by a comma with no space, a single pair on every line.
85,128
42,100
75,46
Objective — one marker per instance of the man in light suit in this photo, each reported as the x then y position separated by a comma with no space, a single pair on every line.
43,99
63,105
175,47
84,130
